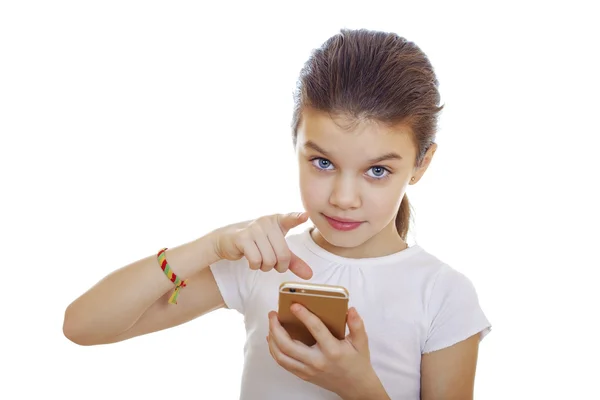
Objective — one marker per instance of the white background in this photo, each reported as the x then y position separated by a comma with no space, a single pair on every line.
129,126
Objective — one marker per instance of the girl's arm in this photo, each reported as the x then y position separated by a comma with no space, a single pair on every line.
450,373
133,300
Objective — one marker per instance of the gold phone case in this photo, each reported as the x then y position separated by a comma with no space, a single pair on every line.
328,302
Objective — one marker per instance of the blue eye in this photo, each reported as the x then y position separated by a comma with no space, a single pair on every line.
322,163
378,172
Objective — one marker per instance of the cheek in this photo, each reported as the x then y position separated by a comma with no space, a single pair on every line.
313,188
385,202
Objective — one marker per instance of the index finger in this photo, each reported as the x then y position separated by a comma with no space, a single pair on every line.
299,267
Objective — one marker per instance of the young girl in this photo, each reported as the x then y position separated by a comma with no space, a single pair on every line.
364,127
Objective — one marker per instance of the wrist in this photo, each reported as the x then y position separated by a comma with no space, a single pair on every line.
370,389
192,257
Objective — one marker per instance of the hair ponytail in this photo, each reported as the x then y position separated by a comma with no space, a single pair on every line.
403,218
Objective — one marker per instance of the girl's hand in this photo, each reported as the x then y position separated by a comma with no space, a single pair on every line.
341,366
263,243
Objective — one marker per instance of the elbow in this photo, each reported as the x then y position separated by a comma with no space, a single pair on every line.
74,337
73,330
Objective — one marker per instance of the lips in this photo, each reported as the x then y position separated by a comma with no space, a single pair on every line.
343,224
345,220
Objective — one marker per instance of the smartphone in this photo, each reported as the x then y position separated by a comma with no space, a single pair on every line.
328,302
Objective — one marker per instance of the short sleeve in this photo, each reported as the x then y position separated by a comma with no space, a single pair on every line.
454,311
235,280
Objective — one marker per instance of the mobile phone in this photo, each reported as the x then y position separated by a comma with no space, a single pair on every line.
328,302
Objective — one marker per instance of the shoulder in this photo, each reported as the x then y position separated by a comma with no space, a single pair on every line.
452,310
438,275
450,284
448,278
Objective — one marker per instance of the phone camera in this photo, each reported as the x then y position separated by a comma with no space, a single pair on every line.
292,290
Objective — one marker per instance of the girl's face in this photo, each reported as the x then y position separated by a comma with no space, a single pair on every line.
353,175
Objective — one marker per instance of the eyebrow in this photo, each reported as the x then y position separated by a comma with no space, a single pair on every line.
388,156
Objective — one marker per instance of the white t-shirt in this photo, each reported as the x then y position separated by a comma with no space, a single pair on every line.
411,303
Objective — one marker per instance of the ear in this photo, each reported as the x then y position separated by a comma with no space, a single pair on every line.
420,170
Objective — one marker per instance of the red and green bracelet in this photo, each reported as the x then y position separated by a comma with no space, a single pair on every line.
164,265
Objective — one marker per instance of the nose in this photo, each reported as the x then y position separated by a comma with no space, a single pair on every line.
345,194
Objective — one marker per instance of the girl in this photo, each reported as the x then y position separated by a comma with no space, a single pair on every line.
364,126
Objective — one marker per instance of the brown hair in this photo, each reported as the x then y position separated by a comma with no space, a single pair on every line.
377,76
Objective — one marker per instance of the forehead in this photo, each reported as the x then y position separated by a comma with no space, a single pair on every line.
340,133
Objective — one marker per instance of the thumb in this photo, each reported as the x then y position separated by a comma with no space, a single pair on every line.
291,220
358,334
300,268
